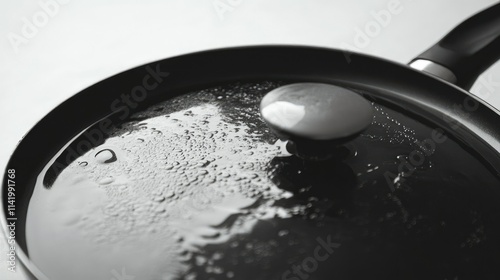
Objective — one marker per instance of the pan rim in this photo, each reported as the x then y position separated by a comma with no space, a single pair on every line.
357,58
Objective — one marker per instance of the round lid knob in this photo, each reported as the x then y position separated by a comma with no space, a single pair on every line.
316,117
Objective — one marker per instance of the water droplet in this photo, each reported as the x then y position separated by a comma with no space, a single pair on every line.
169,167
160,209
200,260
217,256
159,198
217,270
169,194
283,232
106,156
106,181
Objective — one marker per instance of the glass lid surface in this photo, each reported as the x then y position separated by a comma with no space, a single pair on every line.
198,187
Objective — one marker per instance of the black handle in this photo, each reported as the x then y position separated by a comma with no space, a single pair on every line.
470,48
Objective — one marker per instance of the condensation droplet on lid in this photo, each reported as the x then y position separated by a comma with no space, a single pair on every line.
169,167
157,132
217,270
191,276
106,156
169,194
106,181
283,232
160,209
200,260
203,172
217,256
159,198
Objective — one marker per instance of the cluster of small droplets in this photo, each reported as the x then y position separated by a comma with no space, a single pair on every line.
395,131
171,164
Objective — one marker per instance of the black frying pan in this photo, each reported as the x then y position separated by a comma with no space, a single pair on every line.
440,97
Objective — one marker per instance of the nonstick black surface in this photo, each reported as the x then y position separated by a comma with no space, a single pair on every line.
438,221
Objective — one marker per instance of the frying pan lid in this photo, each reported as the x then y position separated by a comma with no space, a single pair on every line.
204,174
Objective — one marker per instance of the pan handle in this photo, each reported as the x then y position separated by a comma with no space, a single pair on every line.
467,51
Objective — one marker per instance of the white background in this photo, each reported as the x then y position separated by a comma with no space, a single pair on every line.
83,42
